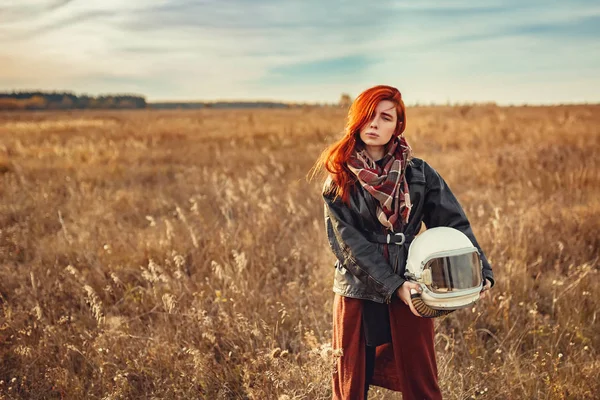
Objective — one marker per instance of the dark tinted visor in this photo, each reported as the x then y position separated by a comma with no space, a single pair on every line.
451,273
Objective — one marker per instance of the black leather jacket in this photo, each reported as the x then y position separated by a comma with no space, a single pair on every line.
361,269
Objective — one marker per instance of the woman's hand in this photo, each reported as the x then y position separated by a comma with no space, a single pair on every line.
484,290
404,293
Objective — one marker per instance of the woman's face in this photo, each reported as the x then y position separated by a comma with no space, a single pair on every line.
380,129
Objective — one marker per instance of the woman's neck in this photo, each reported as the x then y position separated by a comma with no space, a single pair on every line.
376,152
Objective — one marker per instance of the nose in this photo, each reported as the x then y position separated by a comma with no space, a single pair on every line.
373,123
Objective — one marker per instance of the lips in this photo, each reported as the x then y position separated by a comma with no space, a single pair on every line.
371,134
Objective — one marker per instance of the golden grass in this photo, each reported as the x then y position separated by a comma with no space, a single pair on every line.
150,254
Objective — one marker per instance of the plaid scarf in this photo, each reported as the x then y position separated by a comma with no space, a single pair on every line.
388,184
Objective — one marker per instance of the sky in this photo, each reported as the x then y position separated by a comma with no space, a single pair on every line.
509,52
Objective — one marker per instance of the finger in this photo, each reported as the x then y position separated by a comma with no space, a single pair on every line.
416,314
413,309
416,287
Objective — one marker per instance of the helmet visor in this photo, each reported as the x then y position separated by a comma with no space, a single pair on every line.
453,273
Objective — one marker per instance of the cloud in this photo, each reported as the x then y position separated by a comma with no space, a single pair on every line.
327,70
64,23
309,50
28,9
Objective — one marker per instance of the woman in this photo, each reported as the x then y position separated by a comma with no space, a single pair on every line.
375,187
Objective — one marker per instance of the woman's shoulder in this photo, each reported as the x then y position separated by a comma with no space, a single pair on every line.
419,164
415,171
330,189
329,186
416,162
421,171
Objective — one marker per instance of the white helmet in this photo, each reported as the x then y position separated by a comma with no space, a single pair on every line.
448,267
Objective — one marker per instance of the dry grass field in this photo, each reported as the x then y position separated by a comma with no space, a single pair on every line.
182,254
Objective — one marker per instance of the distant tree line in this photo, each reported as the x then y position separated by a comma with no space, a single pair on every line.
68,101
217,104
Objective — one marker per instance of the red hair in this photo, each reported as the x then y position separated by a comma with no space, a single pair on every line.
335,158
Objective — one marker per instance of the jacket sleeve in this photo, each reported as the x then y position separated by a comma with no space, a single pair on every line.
355,253
441,208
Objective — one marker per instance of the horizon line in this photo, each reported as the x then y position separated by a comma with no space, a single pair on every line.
447,102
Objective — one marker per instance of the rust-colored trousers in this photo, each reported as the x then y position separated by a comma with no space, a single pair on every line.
406,365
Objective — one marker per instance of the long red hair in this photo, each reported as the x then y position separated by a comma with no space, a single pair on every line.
334,159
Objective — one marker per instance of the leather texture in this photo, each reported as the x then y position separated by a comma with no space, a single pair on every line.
361,269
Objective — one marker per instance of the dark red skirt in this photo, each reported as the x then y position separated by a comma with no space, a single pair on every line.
406,365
